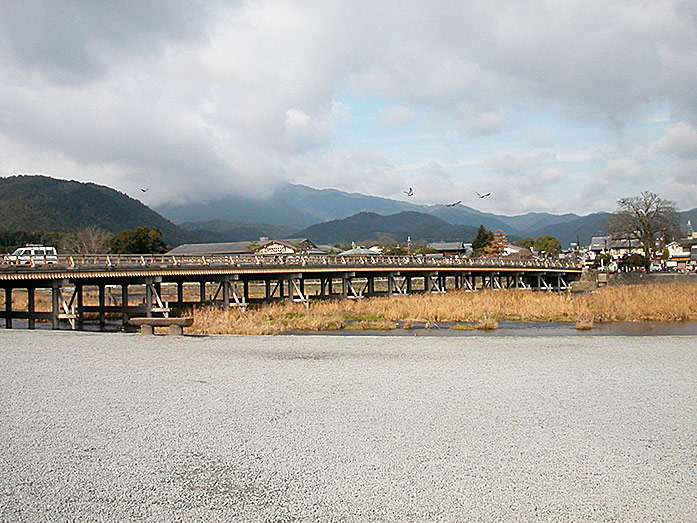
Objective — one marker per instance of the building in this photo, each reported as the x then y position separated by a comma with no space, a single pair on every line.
452,248
517,252
260,246
683,253
617,248
360,251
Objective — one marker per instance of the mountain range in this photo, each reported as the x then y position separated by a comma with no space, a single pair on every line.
300,207
32,203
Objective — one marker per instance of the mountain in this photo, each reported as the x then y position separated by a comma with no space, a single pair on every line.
291,205
299,206
227,231
582,227
369,226
33,203
686,216
40,203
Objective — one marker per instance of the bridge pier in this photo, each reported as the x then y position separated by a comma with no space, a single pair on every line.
8,307
31,307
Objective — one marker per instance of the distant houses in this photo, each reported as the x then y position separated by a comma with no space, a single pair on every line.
681,253
261,246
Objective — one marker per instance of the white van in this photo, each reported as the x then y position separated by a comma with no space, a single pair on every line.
36,254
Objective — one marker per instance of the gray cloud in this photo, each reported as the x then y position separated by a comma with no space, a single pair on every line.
210,97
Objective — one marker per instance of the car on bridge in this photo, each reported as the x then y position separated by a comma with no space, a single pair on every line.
33,255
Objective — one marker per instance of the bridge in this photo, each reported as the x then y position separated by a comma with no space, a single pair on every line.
125,286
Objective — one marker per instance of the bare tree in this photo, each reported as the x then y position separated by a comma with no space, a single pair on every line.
91,240
649,219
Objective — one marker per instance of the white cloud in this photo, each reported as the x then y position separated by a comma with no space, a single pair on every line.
361,171
396,115
506,163
626,169
680,140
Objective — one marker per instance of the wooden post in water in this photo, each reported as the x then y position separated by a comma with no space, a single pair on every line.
148,298
55,305
226,292
31,307
124,303
80,313
102,317
8,307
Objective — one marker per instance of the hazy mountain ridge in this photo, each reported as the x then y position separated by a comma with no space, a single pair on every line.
300,206
369,226
238,231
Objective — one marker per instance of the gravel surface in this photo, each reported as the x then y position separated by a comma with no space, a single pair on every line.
118,427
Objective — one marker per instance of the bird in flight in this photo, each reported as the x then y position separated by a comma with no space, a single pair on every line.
483,195
410,192
145,190
453,204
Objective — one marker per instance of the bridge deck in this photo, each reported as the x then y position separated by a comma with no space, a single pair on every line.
120,266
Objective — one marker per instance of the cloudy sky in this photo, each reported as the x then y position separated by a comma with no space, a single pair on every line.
551,106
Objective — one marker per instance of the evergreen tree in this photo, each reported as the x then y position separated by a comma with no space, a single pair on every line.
141,241
482,240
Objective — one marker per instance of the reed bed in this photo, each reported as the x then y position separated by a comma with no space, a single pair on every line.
657,302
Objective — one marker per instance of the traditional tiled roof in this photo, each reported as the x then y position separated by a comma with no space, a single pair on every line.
243,247
450,246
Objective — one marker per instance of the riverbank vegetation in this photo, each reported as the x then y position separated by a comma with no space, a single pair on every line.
481,309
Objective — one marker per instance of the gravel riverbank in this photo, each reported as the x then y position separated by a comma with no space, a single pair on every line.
117,427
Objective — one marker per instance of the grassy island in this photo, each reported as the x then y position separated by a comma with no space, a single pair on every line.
482,309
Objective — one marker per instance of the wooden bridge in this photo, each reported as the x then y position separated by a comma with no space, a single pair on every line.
135,285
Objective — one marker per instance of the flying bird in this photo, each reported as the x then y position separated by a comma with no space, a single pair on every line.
453,204
145,190
483,195
410,192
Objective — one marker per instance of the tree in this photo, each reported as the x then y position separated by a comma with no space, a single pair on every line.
482,240
634,261
547,245
526,243
91,240
648,218
141,241
394,249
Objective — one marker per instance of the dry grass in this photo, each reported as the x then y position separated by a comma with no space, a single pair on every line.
487,324
664,302
584,325
462,327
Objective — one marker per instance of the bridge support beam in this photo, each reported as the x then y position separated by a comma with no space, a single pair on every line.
55,305
31,307
8,307
102,317
124,303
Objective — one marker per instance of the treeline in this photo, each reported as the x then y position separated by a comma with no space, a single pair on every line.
91,240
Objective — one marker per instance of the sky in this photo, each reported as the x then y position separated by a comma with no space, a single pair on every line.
557,106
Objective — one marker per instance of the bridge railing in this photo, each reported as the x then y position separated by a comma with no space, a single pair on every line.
133,261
